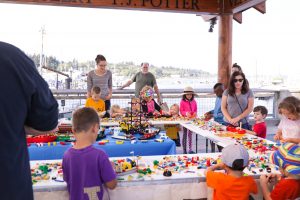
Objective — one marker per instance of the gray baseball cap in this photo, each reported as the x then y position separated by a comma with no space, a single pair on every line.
234,152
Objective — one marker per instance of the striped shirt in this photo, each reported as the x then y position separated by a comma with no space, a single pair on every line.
104,82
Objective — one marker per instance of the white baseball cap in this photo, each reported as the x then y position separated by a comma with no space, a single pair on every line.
234,152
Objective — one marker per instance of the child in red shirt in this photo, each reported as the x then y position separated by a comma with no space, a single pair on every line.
259,128
287,157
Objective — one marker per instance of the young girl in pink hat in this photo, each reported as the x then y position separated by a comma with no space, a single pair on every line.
188,108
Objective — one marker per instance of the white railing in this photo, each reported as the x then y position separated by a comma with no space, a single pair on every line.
70,99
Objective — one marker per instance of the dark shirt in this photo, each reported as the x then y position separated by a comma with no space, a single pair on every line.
25,100
145,110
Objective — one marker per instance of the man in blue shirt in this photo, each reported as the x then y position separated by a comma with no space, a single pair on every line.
27,106
216,113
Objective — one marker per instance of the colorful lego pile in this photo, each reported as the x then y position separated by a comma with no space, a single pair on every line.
258,145
156,167
207,125
46,171
122,166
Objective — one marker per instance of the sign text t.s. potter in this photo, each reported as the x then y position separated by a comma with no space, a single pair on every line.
193,6
164,4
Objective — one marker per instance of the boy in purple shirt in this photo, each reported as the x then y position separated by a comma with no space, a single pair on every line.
86,168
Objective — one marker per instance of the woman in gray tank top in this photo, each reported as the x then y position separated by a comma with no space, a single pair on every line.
102,78
237,101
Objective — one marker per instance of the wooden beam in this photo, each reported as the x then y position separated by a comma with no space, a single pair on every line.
261,7
238,17
241,5
181,6
225,48
56,71
207,18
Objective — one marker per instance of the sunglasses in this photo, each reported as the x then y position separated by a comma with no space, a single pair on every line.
238,80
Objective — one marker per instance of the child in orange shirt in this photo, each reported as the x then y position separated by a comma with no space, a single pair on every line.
231,184
96,102
287,157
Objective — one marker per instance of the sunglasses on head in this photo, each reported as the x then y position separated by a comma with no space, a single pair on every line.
238,80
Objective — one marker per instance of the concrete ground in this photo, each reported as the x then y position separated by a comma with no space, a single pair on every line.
271,130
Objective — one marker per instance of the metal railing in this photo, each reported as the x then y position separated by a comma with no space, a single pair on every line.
71,99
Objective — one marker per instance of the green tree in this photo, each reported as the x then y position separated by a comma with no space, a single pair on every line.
52,62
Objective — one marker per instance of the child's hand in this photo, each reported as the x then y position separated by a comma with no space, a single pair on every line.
155,113
269,178
101,114
220,166
194,115
112,164
164,112
188,114
278,137
208,116
273,178
284,140
264,179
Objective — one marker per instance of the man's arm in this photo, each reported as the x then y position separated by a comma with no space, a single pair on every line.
159,100
128,83
32,131
42,117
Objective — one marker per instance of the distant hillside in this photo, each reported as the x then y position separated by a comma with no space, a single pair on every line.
127,69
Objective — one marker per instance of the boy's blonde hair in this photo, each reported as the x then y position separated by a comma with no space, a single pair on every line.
84,118
176,106
114,108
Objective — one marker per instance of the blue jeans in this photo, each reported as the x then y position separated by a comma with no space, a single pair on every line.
107,108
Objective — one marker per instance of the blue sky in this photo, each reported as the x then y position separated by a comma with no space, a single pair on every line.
266,44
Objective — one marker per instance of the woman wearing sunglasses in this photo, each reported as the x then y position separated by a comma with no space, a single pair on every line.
237,101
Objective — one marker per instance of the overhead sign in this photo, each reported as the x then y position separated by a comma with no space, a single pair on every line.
189,6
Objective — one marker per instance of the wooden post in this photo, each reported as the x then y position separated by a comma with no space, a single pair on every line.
225,49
